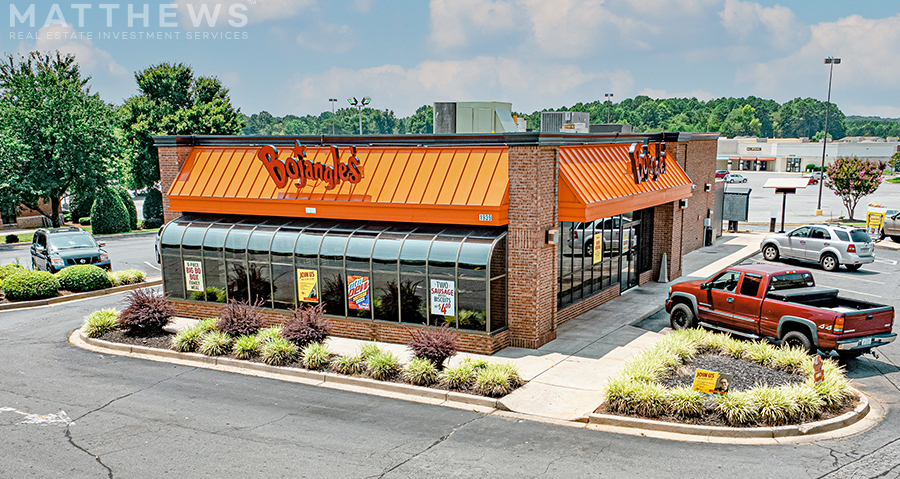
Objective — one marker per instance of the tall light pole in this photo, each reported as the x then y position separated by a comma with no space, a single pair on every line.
332,100
832,62
359,104
608,97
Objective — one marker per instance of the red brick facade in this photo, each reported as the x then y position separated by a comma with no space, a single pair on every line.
533,267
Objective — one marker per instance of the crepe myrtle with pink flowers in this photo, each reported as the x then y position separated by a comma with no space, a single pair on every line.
852,178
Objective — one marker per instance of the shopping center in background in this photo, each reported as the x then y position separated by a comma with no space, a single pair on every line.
502,237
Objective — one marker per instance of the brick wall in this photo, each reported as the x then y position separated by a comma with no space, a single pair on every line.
171,158
699,162
363,329
577,309
667,227
533,269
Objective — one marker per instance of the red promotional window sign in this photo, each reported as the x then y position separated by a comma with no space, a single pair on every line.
299,168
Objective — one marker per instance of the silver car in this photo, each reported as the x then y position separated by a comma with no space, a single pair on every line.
828,245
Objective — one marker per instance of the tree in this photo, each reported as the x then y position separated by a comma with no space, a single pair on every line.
806,116
741,121
109,215
852,178
422,121
173,102
57,135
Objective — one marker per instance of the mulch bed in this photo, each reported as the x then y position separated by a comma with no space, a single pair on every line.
745,375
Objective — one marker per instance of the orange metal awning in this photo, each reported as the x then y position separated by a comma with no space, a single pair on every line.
459,185
596,181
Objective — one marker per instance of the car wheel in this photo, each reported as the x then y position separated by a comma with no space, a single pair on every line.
744,180
770,252
796,338
881,235
682,317
854,267
589,249
829,262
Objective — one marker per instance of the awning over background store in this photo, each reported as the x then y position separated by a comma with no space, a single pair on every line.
449,185
596,181
756,158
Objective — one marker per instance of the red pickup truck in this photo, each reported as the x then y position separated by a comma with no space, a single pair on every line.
771,301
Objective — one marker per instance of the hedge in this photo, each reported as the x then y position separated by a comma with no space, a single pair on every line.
26,285
153,209
129,205
108,214
80,205
83,277
10,269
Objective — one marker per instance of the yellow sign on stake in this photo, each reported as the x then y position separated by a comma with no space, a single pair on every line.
711,382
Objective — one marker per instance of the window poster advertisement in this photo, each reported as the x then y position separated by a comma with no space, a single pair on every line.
358,292
626,240
308,285
598,247
443,298
193,275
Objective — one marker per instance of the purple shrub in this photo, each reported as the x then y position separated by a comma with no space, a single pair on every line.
307,325
240,318
433,344
147,312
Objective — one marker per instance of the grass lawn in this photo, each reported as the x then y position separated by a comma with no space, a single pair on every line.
893,180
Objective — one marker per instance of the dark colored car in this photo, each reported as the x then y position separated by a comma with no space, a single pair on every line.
53,249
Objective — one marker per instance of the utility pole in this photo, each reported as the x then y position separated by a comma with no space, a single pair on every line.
832,62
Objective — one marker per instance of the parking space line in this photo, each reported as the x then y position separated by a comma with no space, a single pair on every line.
150,265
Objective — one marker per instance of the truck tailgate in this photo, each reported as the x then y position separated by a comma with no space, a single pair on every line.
868,321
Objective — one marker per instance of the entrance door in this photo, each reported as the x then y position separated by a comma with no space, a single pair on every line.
629,255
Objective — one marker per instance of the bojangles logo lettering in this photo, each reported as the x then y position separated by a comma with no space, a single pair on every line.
644,165
299,168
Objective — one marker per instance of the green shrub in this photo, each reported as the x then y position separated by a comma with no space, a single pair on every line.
476,364
686,402
187,340
84,221
315,356
245,347
147,312
350,365
774,406
368,350
512,373
789,358
67,217
207,324
100,322
760,352
809,404
420,371
11,238
737,408
270,333
10,269
108,214
126,276
128,202
491,381
83,277
644,368
434,344
834,390
240,318
383,365
620,393
27,285
153,207
650,399
152,223
80,205
213,294
278,352
461,376
215,343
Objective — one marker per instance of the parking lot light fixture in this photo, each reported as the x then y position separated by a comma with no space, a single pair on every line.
831,61
332,100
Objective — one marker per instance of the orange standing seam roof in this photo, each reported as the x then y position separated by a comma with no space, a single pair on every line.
595,181
449,185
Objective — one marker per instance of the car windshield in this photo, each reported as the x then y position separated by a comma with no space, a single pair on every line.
860,236
71,241
791,281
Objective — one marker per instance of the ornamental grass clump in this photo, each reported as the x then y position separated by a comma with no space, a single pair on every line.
737,408
245,347
278,352
651,400
774,405
644,368
147,312
215,343
789,358
368,350
809,404
759,352
619,394
307,325
100,322
420,372
240,318
686,402
207,324
834,390
434,344
125,277
458,377
350,365
383,365
477,363
492,381
315,356
187,340
512,373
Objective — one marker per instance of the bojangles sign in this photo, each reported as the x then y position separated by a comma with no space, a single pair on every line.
644,164
299,168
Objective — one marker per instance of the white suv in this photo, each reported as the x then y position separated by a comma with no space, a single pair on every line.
828,245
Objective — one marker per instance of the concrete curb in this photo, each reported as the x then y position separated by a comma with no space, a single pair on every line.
827,425
316,378
77,296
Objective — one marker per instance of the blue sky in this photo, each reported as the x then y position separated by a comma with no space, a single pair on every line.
290,56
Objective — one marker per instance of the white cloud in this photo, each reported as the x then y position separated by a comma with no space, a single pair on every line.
527,85
453,21
701,95
64,37
329,38
192,11
778,25
363,6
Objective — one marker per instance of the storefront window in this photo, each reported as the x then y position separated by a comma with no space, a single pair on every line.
170,256
413,290
214,263
386,275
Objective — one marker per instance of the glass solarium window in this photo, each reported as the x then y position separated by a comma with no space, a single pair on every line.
417,274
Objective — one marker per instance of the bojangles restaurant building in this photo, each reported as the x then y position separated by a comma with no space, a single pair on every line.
501,237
